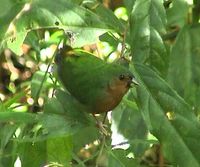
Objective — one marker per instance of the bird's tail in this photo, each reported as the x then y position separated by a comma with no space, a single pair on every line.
63,52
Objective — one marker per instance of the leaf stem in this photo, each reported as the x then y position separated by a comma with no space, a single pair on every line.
44,78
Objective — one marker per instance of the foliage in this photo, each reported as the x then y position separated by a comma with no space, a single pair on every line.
156,124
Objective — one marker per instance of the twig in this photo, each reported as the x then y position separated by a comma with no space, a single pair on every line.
42,83
123,43
101,149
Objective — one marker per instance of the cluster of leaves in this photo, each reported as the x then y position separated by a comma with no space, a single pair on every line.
40,127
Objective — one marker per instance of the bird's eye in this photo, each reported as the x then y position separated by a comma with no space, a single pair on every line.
121,77
130,77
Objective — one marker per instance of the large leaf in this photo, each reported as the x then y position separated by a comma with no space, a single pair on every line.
37,151
184,68
64,116
129,5
17,117
8,12
59,150
74,110
180,132
106,15
8,151
118,157
85,136
53,151
56,14
147,24
177,14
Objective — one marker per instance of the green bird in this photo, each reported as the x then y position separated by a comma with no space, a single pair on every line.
96,84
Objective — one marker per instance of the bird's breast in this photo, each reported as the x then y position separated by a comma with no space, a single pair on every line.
111,100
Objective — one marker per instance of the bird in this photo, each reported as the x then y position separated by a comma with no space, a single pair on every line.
96,84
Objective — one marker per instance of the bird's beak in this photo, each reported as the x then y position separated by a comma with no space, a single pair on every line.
134,82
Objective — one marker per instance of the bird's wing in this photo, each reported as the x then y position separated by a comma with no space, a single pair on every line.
84,76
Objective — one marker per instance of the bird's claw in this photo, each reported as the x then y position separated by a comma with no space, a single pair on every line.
102,128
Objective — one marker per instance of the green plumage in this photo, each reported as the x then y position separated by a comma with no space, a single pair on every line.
87,77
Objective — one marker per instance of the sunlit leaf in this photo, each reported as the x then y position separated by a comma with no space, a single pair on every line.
58,15
7,16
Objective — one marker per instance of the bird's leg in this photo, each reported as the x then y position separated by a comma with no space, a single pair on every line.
104,118
101,126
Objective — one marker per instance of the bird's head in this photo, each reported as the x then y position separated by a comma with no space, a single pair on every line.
127,79
122,80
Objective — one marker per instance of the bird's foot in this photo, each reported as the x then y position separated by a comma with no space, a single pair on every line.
103,128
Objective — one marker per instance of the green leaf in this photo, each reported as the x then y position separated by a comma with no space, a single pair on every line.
16,98
177,14
58,15
107,37
180,130
7,132
8,146
8,154
86,136
107,16
126,121
74,110
17,117
33,154
57,125
64,116
39,83
15,42
146,27
118,157
184,65
59,150
195,11
129,5
54,106
8,12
